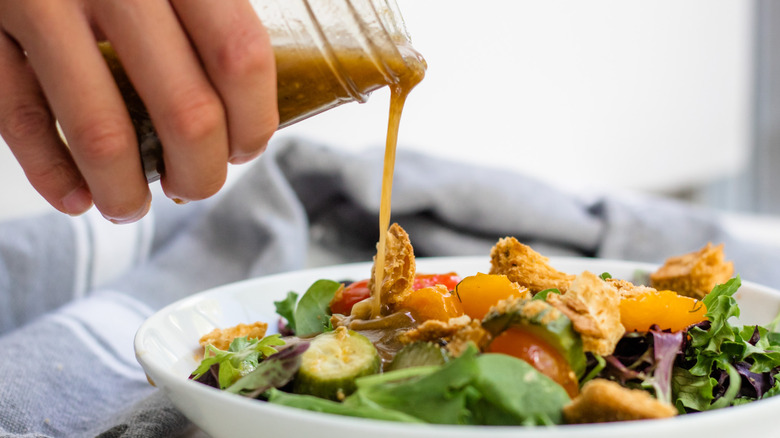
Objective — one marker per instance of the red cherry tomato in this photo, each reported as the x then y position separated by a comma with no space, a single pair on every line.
347,297
531,348
450,280
358,291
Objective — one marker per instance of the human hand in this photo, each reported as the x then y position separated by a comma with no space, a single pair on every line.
204,69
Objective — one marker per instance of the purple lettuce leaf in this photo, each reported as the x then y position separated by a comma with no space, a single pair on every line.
646,361
666,347
754,385
209,378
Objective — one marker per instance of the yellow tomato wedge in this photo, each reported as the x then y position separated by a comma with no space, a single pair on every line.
665,308
478,293
434,302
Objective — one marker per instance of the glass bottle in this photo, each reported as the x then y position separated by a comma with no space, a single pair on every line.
328,52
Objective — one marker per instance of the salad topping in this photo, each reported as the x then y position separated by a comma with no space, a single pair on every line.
523,344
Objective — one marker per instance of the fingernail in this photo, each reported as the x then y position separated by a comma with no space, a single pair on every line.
245,158
136,217
77,201
180,201
241,159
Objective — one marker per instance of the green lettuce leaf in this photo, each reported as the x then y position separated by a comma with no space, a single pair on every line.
490,389
692,392
311,315
241,358
274,372
730,364
286,309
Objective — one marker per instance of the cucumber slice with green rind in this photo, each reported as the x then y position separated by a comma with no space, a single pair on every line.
419,354
332,363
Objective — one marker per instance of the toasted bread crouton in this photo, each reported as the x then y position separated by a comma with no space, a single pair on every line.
626,289
593,306
221,338
399,268
604,401
694,274
457,333
526,267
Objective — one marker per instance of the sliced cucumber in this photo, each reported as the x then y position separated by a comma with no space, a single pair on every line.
542,319
332,363
419,354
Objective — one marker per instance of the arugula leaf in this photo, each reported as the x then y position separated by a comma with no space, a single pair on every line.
239,359
312,315
286,309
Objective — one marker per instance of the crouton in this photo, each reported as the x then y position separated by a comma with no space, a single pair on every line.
457,333
399,269
593,306
221,338
626,289
526,267
694,274
604,401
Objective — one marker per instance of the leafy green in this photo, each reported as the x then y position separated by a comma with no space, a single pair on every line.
274,372
311,315
528,397
286,309
734,386
471,389
665,349
727,364
437,397
316,404
693,392
597,368
241,358
542,295
706,343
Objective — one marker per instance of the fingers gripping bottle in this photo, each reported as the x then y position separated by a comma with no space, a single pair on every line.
328,52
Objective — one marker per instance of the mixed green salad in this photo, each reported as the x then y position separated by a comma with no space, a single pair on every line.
444,356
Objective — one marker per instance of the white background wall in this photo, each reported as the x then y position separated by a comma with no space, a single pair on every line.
622,93
635,94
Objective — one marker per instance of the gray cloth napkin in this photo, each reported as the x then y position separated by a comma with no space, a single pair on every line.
73,291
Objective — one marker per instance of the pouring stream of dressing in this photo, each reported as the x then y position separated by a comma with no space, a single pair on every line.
399,91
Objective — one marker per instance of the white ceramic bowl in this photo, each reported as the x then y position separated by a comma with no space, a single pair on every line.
166,345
